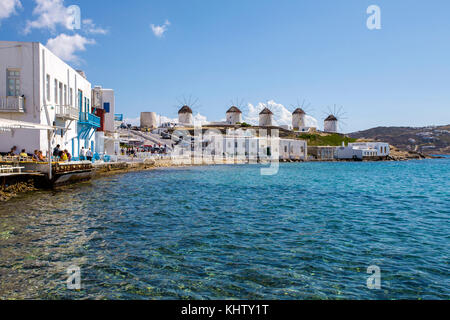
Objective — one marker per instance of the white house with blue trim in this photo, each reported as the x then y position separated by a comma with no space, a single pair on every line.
36,86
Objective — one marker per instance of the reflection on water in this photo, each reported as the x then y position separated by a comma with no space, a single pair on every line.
227,232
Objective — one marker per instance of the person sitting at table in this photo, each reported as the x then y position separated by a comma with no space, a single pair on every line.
13,151
23,154
36,156
63,156
69,156
41,156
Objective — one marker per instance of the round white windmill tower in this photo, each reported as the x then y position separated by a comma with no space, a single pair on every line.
331,124
234,115
298,119
265,118
185,116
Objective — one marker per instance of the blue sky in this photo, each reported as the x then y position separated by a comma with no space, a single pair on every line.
285,51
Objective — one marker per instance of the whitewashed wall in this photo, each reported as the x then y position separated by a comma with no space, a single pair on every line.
35,62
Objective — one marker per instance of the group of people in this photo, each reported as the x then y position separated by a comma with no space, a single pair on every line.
86,154
61,155
37,155
58,154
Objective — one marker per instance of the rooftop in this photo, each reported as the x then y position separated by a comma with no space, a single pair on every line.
299,111
185,109
266,111
234,109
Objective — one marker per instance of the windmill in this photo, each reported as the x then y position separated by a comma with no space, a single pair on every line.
184,107
234,113
334,119
299,114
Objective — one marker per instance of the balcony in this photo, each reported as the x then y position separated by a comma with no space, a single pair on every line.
89,119
12,104
67,112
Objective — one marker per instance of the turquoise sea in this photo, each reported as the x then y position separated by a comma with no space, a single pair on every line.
226,232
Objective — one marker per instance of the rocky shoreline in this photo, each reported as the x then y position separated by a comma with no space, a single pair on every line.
400,155
10,191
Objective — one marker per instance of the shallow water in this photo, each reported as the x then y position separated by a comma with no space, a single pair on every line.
223,232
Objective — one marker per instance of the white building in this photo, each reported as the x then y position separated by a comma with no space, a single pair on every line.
363,150
291,149
106,137
254,148
234,115
36,86
331,124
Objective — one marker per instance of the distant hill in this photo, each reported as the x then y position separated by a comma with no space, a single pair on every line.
428,140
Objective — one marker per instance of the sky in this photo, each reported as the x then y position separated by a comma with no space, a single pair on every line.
156,54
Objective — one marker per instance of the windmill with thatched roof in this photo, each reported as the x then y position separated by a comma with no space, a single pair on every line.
331,122
185,115
299,115
298,119
234,115
265,118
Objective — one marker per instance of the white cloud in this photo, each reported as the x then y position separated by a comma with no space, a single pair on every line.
65,46
282,116
159,31
90,27
8,8
200,119
52,14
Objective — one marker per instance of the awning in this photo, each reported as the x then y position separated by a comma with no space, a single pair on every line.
14,124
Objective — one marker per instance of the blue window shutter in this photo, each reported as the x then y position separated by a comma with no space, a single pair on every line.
106,106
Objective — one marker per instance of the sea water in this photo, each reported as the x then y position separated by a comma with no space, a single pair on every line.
311,231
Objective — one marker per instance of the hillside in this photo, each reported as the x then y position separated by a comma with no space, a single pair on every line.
428,140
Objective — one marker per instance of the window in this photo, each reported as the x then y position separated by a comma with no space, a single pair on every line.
60,94
13,83
48,87
56,91
65,95
71,97
80,100
106,106
285,148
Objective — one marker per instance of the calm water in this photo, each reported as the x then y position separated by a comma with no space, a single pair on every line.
225,232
